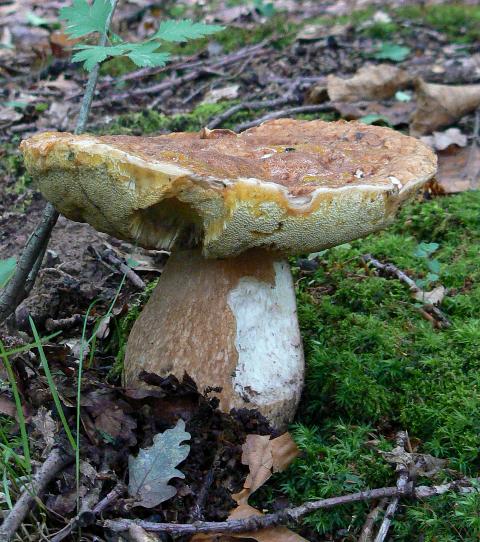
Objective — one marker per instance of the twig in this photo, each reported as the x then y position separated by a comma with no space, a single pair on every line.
285,113
257,104
172,83
109,255
87,517
197,511
402,482
30,261
392,270
367,529
56,461
63,323
253,523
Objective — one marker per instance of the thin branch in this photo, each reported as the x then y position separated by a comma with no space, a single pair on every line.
286,113
21,284
56,461
253,105
254,523
402,482
367,529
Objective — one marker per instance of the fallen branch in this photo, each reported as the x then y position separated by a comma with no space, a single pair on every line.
254,523
286,113
391,270
21,284
253,105
402,482
56,461
174,82
367,529
111,258
87,517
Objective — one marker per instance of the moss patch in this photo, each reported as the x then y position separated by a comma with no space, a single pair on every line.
375,365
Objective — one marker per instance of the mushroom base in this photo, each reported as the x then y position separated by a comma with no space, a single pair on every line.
226,323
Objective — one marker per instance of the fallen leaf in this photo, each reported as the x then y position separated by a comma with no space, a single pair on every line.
442,140
369,83
7,407
459,169
264,457
216,95
269,534
46,428
154,467
434,297
314,32
9,115
441,105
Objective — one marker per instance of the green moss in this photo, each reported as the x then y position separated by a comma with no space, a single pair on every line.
458,21
150,122
375,365
118,343
12,167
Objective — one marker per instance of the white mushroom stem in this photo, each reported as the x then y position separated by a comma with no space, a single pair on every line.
228,323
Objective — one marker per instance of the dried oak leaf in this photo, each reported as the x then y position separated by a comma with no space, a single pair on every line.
369,83
264,457
154,467
441,105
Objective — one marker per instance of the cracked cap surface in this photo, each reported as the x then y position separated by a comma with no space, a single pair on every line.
292,186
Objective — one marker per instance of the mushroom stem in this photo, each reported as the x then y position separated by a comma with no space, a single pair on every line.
227,323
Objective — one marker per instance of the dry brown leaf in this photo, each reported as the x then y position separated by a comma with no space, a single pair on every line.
442,140
46,427
434,297
459,169
7,407
263,457
270,534
216,95
314,32
441,105
369,83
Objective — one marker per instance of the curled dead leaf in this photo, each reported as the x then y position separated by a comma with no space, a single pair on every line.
441,105
442,140
264,457
369,83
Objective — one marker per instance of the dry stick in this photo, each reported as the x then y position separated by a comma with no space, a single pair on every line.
56,461
111,258
257,104
172,83
253,523
367,529
392,270
30,261
87,517
285,113
402,482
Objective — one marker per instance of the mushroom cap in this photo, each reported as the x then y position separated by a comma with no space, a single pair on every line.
292,186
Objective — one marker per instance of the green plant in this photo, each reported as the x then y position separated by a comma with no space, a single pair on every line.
425,251
83,19
266,9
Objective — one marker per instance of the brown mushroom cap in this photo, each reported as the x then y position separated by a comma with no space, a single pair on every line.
289,185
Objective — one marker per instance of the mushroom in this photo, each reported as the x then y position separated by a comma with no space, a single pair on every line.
230,207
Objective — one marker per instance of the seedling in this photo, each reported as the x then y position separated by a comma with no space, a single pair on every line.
425,251
83,19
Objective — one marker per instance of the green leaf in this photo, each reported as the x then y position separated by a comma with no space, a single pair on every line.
83,18
392,51
154,467
7,267
424,250
93,54
184,30
143,55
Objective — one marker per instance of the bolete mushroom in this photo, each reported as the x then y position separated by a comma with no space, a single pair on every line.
231,206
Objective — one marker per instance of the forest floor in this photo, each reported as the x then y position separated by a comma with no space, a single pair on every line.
379,360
